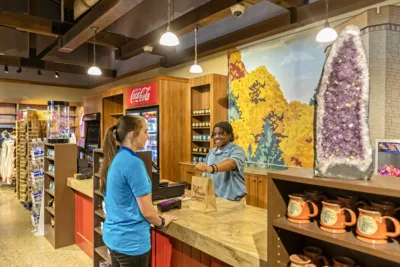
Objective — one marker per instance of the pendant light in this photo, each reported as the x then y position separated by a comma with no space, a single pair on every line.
94,70
169,38
195,68
327,34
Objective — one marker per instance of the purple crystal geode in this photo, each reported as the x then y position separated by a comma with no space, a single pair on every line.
343,147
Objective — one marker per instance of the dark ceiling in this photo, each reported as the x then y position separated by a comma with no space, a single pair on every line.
35,37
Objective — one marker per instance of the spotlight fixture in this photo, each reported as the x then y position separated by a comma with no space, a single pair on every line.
169,38
94,70
56,75
5,69
195,68
19,70
39,72
327,34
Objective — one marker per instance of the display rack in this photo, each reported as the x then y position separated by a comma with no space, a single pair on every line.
63,197
27,130
113,108
100,250
209,95
286,238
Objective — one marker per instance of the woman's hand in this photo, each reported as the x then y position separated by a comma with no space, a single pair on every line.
168,219
203,167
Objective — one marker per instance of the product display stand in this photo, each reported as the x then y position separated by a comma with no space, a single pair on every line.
100,250
59,164
37,176
286,238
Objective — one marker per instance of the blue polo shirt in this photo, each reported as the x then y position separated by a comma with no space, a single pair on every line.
125,230
229,185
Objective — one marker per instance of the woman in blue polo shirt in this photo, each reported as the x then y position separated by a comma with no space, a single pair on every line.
225,164
126,187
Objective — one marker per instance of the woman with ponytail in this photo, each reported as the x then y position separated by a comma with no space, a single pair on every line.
126,187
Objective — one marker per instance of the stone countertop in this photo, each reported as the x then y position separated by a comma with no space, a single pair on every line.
235,234
83,186
247,170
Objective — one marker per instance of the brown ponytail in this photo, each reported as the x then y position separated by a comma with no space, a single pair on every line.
115,136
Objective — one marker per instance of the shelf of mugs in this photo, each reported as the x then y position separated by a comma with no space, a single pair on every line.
389,251
202,150
199,159
201,137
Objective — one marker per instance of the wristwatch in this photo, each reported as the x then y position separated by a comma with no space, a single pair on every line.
161,226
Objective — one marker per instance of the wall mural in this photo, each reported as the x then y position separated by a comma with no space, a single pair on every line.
271,99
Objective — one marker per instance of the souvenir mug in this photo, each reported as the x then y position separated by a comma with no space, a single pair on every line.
352,202
343,262
333,219
298,260
372,228
195,159
389,208
315,254
299,210
316,196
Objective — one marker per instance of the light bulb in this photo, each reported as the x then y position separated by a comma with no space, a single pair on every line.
169,39
327,34
94,70
196,69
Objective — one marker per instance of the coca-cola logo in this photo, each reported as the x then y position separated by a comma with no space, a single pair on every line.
140,95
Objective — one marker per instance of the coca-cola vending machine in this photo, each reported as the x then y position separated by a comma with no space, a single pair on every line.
142,101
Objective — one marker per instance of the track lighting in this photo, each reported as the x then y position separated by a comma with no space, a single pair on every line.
19,70
39,72
5,69
56,75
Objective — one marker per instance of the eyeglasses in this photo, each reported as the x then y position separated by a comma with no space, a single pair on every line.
222,134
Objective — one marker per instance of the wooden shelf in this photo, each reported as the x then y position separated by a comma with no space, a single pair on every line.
198,153
200,115
117,114
390,251
200,128
381,185
98,230
98,192
204,141
103,252
100,213
50,192
50,210
49,158
50,174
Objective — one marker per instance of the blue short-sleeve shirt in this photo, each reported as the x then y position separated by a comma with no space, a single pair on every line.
229,185
125,230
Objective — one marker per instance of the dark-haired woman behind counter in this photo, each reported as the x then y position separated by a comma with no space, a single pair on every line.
225,164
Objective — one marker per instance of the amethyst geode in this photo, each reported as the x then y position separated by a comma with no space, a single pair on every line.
343,147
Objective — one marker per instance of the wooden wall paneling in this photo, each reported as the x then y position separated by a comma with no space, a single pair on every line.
112,110
186,251
262,187
177,256
92,104
252,190
219,98
174,145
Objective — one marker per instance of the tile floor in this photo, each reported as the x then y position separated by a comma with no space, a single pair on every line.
20,248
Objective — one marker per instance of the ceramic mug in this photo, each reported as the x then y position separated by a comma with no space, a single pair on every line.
315,254
389,208
343,262
372,227
298,260
333,219
316,196
352,202
299,210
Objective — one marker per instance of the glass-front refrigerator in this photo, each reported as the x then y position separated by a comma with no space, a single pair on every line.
151,115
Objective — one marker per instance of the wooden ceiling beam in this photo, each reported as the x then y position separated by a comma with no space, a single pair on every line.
49,65
297,17
182,25
100,16
289,3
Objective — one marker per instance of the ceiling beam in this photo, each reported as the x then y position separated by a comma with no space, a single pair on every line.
290,3
181,26
102,14
49,65
42,26
297,17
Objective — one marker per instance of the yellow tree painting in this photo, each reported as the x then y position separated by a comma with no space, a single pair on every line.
274,131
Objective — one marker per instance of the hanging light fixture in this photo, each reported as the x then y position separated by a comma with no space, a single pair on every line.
39,72
169,38
327,34
56,75
6,69
195,68
94,70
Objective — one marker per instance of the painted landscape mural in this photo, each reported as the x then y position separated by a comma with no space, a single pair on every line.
271,100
